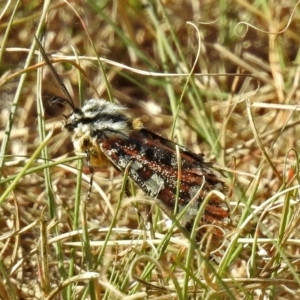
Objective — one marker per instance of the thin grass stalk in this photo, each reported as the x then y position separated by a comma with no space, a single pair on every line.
20,88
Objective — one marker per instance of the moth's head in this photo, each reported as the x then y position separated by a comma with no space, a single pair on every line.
71,120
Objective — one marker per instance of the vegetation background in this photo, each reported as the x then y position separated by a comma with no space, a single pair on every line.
239,107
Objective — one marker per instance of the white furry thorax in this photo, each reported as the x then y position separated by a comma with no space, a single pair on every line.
98,115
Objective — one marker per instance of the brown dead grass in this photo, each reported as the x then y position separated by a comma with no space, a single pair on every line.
254,141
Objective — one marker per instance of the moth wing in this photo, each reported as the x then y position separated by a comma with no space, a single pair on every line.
153,165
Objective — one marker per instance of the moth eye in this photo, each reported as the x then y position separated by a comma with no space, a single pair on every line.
71,125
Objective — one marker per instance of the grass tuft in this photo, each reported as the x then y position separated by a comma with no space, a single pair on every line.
225,84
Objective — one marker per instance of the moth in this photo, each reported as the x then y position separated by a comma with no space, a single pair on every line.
164,170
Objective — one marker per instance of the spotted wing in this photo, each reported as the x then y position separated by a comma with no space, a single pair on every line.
153,165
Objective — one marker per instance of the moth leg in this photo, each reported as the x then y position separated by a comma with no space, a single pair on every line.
92,171
127,189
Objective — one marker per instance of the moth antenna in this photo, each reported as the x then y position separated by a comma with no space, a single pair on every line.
54,100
